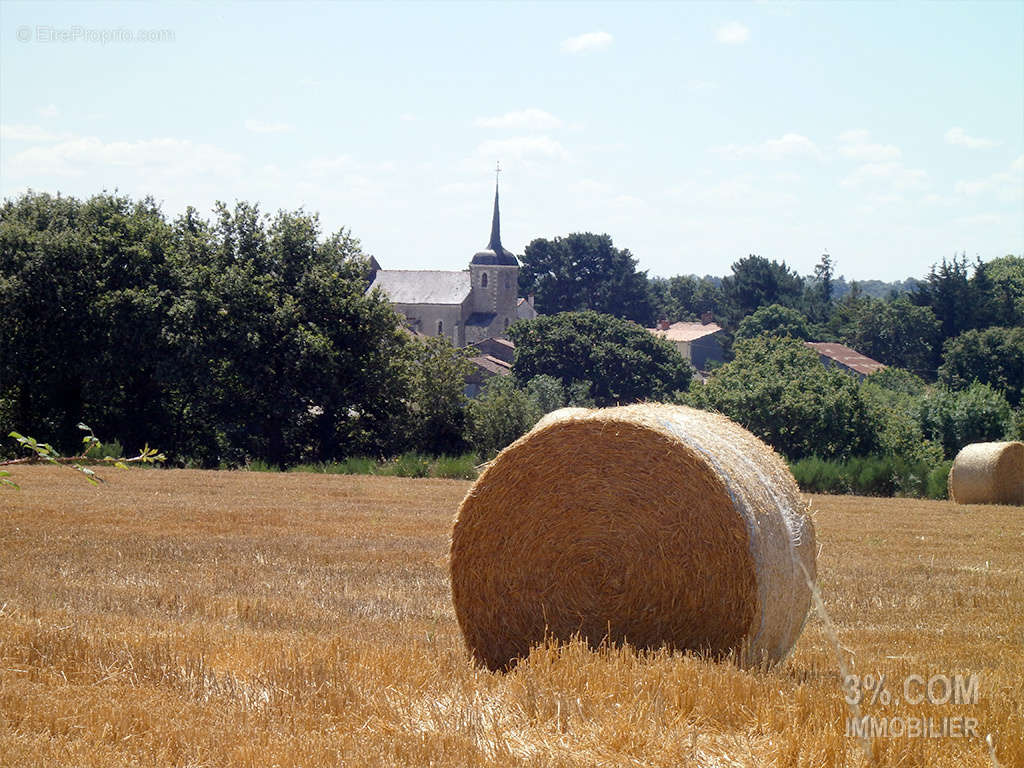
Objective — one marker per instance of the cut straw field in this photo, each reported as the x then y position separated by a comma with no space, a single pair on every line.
193,618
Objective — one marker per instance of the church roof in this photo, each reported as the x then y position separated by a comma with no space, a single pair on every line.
423,286
494,253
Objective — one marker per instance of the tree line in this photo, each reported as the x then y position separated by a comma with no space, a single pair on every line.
251,337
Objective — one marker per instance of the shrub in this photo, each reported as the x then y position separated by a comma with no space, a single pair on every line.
456,467
407,465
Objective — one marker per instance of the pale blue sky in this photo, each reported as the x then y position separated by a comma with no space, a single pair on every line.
890,134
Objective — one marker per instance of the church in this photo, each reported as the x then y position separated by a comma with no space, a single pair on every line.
466,306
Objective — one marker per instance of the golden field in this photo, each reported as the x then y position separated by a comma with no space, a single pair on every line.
187,618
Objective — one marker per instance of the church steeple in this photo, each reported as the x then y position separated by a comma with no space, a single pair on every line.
495,253
495,242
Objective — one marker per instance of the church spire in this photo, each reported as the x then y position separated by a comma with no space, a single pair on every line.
495,242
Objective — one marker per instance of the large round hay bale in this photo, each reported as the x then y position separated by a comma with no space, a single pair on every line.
988,473
655,525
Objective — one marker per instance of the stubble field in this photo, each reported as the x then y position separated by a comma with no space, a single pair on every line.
186,618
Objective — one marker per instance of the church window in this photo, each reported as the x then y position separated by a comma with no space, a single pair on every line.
440,327
506,323
483,280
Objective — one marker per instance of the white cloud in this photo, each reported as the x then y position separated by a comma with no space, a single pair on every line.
49,111
959,137
977,218
262,126
530,119
589,41
327,165
732,33
892,174
788,145
1006,186
856,144
408,117
523,147
156,157
19,132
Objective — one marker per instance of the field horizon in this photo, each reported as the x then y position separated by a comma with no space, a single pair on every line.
216,618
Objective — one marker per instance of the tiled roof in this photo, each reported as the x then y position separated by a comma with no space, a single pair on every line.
422,286
503,349
849,358
686,331
492,365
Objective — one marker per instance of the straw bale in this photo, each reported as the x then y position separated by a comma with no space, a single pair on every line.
988,473
654,525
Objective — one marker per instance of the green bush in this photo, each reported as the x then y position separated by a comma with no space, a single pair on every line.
936,484
455,467
872,476
407,465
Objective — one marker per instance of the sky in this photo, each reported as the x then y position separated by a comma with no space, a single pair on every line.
890,135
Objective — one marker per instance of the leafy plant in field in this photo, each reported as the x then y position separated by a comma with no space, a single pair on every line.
92,452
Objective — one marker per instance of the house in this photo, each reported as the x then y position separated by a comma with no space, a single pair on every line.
464,306
699,343
834,355
503,349
495,359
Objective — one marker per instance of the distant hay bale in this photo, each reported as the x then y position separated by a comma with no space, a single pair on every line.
655,525
988,473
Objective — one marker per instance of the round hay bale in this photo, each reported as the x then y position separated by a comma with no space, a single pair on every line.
656,525
988,473
558,415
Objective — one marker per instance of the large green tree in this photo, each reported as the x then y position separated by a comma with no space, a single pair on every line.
624,362
757,282
84,289
775,320
994,356
778,389
250,336
896,333
584,271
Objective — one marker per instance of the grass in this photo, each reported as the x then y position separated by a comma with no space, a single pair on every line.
406,465
187,618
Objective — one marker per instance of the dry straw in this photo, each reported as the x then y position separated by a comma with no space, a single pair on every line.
655,525
988,473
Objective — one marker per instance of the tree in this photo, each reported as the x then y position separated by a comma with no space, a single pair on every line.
975,414
584,271
500,415
1003,281
624,362
757,282
300,363
947,292
84,287
685,297
437,394
820,292
893,397
775,320
994,356
251,337
777,388
896,333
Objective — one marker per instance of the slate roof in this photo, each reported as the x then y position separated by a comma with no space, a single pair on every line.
423,286
483,319
848,358
686,331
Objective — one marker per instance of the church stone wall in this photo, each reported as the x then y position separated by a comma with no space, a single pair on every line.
425,317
